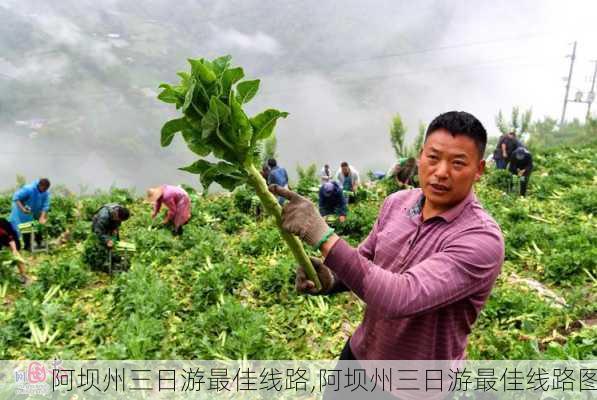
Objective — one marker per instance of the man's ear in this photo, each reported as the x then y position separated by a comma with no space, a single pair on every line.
480,171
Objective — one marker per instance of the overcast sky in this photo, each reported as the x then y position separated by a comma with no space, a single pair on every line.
78,77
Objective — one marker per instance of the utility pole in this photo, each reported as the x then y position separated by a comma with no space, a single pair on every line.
591,95
572,58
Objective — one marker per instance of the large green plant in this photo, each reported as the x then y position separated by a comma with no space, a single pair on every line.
213,122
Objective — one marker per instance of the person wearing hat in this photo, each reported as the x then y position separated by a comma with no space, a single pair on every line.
332,200
521,164
31,202
10,239
176,199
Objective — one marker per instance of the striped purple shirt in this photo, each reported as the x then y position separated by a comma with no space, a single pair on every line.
424,283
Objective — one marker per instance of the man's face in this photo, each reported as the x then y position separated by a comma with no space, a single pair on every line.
345,171
42,188
448,167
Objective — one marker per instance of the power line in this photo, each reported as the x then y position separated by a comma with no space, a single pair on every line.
360,79
412,52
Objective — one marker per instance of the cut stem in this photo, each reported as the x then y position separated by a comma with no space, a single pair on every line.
270,203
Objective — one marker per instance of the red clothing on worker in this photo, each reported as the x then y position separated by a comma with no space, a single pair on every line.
177,200
8,234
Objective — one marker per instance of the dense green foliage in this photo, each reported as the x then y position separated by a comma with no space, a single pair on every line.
225,288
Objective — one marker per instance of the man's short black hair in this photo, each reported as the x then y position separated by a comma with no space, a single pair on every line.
272,162
344,164
45,182
123,213
461,123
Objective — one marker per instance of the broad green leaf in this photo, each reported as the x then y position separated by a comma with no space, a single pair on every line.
201,70
264,123
220,64
220,150
189,96
217,120
229,78
247,90
185,78
223,173
169,95
194,142
198,167
170,128
240,125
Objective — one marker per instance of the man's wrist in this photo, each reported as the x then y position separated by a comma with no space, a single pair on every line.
326,246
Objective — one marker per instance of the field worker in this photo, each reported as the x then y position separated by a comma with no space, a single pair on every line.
177,200
521,164
332,200
348,177
265,171
326,174
106,223
500,154
508,145
405,172
106,228
10,239
428,265
277,176
31,202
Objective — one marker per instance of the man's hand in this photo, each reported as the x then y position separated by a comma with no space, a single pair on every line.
505,155
300,217
43,218
305,286
24,208
521,172
109,244
342,218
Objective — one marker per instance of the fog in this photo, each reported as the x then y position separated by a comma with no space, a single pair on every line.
79,78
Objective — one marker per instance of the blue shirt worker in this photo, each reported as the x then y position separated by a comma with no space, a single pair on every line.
278,176
332,200
31,202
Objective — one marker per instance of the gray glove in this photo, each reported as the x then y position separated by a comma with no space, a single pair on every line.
300,217
326,277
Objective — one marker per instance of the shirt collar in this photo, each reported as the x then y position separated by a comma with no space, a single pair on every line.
449,215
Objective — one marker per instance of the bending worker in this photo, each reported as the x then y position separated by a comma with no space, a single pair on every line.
332,200
10,239
177,200
521,164
31,202
106,231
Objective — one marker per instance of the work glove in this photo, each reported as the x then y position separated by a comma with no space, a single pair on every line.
306,286
300,217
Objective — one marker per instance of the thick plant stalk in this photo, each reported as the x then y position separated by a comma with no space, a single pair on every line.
271,205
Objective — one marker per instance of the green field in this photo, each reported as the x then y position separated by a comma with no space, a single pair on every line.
225,289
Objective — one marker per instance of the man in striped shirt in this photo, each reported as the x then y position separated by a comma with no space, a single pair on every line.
428,266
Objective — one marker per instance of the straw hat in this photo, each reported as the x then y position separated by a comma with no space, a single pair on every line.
153,194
